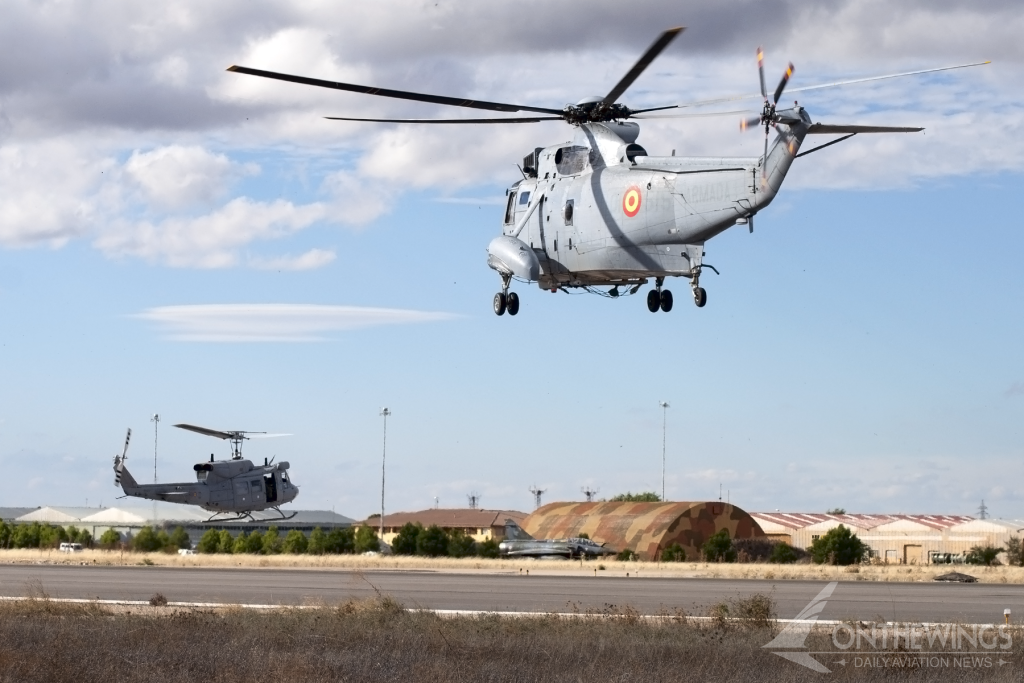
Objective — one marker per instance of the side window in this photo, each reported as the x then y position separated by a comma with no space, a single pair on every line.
567,211
524,198
510,209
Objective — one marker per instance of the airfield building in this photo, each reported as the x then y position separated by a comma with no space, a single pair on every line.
482,525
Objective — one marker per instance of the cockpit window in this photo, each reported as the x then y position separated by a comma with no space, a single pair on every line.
524,198
201,475
510,209
572,160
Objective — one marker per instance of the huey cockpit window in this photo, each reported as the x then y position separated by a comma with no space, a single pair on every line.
510,209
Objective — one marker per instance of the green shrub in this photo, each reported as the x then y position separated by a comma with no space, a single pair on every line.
1014,551
718,548
404,542
317,542
271,542
295,542
341,541
254,544
5,534
366,540
241,544
985,555
460,544
673,553
85,538
226,543
146,540
432,542
626,555
209,543
26,535
110,538
72,533
488,549
838,546
52,536
783,553
646,497
583,534
179,538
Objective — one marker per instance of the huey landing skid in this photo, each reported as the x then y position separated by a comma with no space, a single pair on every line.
247,516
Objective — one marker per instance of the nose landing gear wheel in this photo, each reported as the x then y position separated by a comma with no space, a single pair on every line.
653,301
700,297
666,300
499,304
512,303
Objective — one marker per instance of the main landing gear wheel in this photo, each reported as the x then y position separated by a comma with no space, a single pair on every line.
512,303
500,304
700,297
653,301
666,300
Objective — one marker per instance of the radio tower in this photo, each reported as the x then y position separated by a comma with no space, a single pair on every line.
537,493
589,493
983,510
474,500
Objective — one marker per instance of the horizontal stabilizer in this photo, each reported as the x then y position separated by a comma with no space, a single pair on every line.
824,129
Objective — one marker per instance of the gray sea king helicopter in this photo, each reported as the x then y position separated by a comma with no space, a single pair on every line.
232,487
601,211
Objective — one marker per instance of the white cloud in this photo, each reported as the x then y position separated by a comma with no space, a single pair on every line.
310,260
175,176
275,322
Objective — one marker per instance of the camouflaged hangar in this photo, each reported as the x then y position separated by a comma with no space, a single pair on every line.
644,528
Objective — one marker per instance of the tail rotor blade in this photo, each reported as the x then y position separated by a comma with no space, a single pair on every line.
783,82
760,72
749,123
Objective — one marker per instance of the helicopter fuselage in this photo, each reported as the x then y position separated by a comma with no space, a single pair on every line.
600,211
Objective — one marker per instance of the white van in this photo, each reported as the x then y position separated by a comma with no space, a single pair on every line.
71,547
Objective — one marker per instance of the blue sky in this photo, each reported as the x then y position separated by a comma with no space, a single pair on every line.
860,349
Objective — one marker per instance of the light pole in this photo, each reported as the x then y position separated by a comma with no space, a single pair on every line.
156,429
664,420
383,459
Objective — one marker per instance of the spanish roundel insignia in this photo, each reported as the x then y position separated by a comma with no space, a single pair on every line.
631,201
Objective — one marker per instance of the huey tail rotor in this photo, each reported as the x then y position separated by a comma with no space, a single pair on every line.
119,459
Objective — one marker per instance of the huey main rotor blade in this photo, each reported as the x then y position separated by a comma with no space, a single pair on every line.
652,52
208,432
509,120
695,116
264,435
397,94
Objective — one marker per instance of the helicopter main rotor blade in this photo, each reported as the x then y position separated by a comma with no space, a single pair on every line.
760,72
652,52
825,129
695,116
208,432
509,120
263,435
835,84
782,84
397,94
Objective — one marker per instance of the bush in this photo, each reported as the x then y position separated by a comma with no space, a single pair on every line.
783,553
366,540
226,543
1014,551
718,548
146,540
271,542
179,538
5,534
254,544
209,543
85,538
432,542
404,542
626,555
295,542
317,542
752,549
583,534
52,536
646,497
461,544
110,538
838,546
982,555
673,553
241,544
26,535
488,549
341,541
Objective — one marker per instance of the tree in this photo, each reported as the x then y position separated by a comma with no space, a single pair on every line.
72,532
718,548
1014,551
179,538
782,553
52,536
341,541
241,544
226,543
146,540
271,542
432,542
295,542
26,535
626,555
982,555
836,511
673,553
209,543
254,544
404,542
5,534
488,549
109,538
461,544
366,540
317,542
646,497
838,546
583,534
85,538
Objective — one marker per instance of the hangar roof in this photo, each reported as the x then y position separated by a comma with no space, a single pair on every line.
800,520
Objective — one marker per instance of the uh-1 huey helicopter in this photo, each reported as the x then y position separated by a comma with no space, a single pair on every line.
224,487
600,211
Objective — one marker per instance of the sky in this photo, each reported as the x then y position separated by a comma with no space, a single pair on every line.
181,240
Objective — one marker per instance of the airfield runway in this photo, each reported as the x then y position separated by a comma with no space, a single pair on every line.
927,602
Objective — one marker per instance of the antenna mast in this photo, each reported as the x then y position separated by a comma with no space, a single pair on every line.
537,493
589,493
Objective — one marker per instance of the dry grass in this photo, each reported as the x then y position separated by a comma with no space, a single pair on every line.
377,640
1014,575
